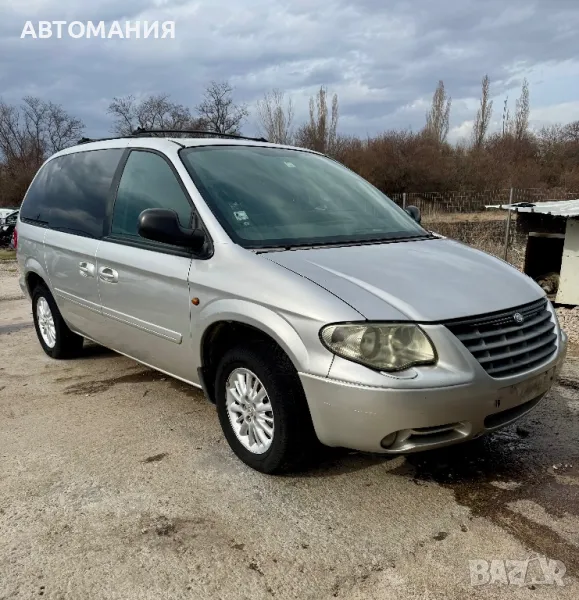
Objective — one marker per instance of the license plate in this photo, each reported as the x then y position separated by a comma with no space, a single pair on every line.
529,389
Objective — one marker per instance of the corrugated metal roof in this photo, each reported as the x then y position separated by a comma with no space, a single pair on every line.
559,208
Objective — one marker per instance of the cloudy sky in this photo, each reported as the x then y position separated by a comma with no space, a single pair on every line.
382,57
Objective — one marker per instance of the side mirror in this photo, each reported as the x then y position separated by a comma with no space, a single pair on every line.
162,225
414,212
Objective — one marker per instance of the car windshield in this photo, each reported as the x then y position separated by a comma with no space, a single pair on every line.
274,197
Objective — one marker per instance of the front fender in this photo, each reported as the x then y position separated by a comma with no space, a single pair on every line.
258,316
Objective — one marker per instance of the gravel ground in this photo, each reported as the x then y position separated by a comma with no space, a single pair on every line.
115,482
569,321
9,287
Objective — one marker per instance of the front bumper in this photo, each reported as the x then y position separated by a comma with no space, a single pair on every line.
407,418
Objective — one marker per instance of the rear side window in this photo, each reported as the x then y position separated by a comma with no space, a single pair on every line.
71,192
147,182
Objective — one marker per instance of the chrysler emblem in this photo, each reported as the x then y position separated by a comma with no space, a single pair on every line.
518,318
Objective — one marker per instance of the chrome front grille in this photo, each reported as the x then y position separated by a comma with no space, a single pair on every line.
505,347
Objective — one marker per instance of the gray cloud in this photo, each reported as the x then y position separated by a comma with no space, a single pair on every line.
383,59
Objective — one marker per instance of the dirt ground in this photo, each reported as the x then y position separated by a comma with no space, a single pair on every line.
116,483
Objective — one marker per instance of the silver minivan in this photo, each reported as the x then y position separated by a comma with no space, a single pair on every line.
306,304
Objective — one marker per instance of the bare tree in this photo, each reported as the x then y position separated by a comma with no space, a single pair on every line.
571,132
153,112
520,123
320,132
275,117
483,115
506,116
219,110
35,130
29,133
438,117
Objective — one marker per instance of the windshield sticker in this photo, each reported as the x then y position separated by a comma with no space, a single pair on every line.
289,165
241,215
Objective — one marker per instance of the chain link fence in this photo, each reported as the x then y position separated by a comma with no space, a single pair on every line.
433,204
462,215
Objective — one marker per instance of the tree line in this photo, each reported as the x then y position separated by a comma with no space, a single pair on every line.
395,160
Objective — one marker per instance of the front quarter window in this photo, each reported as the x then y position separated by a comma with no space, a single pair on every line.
270,197
147,182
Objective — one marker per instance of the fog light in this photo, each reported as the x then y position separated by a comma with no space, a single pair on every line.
388,440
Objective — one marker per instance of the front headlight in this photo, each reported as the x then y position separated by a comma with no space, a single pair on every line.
380,346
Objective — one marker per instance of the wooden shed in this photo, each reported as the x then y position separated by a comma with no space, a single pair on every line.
552,244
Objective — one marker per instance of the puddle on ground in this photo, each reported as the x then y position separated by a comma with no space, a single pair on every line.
538,460
8,329
143,376
102,385
185,388
568,383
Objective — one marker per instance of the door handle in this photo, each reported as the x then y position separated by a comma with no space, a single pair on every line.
109,275
86,269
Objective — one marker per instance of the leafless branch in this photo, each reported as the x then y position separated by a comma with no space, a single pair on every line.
275,117
153,112
319,134
438,117
219,111
483,115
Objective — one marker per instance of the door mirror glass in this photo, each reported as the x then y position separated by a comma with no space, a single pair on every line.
162,225
414,212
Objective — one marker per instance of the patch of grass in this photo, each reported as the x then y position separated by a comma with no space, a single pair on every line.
442,217
6,254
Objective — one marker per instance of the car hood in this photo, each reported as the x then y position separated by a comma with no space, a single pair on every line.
428,280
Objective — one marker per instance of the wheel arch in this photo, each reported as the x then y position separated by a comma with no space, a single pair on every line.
34,275
228,325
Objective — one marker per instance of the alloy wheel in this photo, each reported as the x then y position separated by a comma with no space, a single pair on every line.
46,322
250,411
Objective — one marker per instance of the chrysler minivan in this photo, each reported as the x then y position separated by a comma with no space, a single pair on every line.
306,304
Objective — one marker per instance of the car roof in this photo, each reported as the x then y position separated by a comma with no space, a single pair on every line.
168,144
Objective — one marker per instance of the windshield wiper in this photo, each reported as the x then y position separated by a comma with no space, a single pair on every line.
312,246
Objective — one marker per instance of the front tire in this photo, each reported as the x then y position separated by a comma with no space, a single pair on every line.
263,410
56,339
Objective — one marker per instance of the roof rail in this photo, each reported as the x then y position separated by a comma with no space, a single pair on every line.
86,140
196,132
192,132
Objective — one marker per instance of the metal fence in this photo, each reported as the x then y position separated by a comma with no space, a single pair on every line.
436,203
462,215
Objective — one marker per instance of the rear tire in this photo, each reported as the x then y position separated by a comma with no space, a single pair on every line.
56,339
283,437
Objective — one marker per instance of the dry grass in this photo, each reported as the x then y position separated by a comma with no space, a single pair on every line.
482,217
515,255
487,235
6,254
